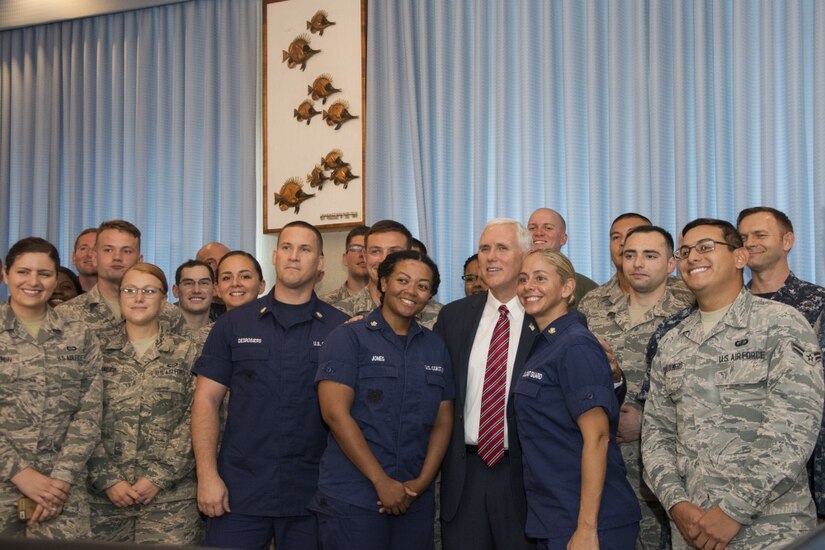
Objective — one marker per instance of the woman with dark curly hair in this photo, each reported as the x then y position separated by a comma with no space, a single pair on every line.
385,388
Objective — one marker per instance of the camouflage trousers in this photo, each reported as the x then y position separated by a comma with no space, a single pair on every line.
654,519
176,523
72,523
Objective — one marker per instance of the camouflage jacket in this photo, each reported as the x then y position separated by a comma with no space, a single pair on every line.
609,294
338,295
147,405
629,342
361,303
50,399
732,416
90,309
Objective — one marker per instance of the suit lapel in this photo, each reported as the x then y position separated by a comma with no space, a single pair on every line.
468,334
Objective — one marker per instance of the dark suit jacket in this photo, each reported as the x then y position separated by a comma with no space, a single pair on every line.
457,323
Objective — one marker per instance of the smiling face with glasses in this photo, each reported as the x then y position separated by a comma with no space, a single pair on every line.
196,290
142,297
710,266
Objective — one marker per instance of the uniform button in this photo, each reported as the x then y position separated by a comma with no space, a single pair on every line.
589,395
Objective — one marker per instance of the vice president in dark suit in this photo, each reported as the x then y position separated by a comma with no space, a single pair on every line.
488,336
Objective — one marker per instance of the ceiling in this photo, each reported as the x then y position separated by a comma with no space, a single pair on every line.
24,13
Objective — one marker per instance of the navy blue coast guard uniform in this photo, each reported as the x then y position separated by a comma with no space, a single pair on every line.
399,384
266,353
566,375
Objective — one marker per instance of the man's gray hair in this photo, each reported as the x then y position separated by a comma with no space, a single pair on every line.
523,237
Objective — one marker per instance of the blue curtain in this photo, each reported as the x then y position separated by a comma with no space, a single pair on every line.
673,109
149,116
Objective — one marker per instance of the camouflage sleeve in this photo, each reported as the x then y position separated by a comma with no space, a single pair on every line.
790,421
167,465
817,461
659,443
653,347
10,460
83,433
102,470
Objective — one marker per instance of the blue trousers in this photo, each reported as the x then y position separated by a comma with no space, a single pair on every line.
256,532
343,526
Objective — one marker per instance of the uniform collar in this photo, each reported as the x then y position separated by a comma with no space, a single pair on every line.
118,340
737,317
560,325
267,305
375,322
52,322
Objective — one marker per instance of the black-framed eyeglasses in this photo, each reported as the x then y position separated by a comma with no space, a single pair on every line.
702,247
469,278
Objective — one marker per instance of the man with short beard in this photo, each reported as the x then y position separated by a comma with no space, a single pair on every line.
626,326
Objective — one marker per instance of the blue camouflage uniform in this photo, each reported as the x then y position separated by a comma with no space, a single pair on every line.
399,384
266,353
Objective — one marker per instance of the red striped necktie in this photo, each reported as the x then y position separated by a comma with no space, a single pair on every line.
491,422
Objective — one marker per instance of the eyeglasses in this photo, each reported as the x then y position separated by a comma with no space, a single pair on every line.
147,292
702,247
357,248
188,284
469,278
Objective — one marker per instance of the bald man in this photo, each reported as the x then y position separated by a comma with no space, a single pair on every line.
549,231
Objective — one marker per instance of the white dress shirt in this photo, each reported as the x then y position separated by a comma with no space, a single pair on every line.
478,362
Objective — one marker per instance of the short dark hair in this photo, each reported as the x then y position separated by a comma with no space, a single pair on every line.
78,288
247,255
32,244
653,229
416,243
84,232
305,225
780,217
357,231
388,266
120,225
389,226
193,263
627,215
470,260
729,232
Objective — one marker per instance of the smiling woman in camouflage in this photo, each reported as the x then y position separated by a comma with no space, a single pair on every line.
50,401
142,473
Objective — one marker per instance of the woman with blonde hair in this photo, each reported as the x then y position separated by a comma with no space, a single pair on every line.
578,495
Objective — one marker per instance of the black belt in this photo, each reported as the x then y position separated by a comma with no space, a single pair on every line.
473,450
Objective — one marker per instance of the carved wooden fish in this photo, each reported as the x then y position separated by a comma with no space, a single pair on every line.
317,177
319,22
299,52
342,176
337,114
291,195
334,159
305,111
322,88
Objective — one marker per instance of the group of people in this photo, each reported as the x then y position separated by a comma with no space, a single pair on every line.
540,411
